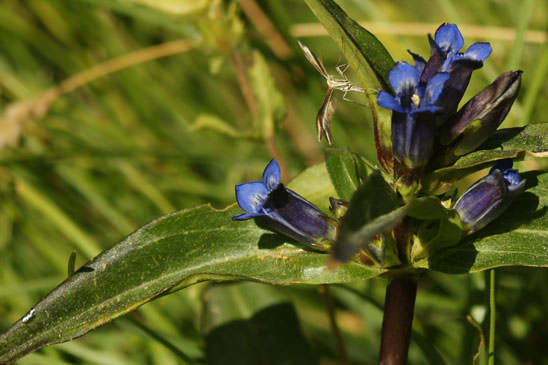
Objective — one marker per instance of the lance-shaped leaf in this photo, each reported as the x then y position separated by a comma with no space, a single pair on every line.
368,59
246,323
374,208
517,237
346,170
530,142
170,253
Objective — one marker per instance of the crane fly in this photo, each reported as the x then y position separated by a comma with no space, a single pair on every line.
323,119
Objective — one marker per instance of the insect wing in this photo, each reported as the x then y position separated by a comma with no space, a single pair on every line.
323,119
315,61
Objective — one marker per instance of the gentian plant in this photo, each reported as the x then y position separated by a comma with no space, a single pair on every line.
442,193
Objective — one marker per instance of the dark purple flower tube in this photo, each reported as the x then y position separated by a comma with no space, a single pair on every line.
284,211
481,116
489,197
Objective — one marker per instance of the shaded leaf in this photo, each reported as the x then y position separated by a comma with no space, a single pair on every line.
250,323
373,209
518,237
174,251
346,171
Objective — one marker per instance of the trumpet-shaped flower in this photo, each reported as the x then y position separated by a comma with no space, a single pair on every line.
413,126
487,199
284,211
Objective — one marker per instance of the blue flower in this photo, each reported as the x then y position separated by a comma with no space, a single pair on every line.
487,199
446,57
413,126
411,97
449,41
282,210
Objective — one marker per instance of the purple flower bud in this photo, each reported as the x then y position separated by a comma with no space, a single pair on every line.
486,199
282,210
481,116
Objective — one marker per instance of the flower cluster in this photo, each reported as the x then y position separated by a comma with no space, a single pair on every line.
426,96
428,131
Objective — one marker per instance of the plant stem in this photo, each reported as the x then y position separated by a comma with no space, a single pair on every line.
333,322
492,316
399,305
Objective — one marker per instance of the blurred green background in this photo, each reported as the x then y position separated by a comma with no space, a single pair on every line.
115,112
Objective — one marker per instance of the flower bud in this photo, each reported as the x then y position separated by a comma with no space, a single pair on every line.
284,211
486,199
482,115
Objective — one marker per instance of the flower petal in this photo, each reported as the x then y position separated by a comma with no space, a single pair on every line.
449,38
403,77
478,51
419,61
251,196
243,217
434,88
272,175
387,101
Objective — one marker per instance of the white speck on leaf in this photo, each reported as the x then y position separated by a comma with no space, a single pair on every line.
29,316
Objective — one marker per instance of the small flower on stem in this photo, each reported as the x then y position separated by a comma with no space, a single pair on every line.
413,126
446,57
487,199
284,211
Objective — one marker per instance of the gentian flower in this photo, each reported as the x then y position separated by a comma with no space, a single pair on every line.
486,199
446,57
413,126
282,210
480,117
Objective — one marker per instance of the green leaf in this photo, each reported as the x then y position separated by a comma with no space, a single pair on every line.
518,237
179,7
172,252
248,323
314,185
374,208
270,102
531,141
214,123
367,57
346,170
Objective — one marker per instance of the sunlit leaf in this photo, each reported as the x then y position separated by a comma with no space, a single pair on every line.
172,252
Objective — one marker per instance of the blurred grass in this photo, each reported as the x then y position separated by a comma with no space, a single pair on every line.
82,167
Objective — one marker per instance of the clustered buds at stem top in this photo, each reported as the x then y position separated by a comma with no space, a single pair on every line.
486,199
284,211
